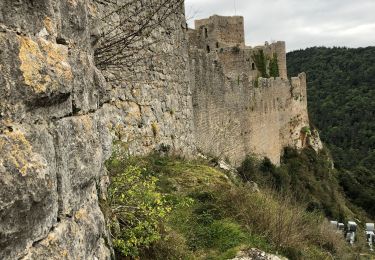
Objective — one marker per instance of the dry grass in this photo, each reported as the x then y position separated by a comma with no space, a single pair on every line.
266,220
285,224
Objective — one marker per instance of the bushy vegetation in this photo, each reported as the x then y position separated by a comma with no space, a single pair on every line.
197,212
359,184
136,207
274,66
341,102
267,66
307,176
260,60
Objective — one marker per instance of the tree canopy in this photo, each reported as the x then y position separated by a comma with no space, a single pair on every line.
341,102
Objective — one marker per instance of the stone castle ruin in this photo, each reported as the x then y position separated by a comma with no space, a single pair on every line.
236,112
59,116
226,36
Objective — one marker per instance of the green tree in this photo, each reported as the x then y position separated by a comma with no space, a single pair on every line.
341,102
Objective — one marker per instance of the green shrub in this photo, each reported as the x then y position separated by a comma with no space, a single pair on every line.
274,67
248,169
282,222
256,82
267,166
137,210
306,130
306,176
260,61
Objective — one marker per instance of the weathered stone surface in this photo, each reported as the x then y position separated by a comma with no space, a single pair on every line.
256,254
28,194
52,143
152,104
233,117
76,237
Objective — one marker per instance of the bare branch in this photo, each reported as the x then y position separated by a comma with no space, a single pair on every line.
129,30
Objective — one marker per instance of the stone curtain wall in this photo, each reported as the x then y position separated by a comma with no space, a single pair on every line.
233,117
59,117
151,101
218,105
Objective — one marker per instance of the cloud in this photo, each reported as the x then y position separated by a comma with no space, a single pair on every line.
300,23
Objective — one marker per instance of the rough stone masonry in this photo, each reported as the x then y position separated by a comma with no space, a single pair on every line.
59,117
236,113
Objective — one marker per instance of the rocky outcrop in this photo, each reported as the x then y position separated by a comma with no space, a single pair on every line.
52,140
256,254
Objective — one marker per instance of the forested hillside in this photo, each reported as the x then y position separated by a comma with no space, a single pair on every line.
341,101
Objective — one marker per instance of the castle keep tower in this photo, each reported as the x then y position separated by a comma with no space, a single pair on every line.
219,31
225,35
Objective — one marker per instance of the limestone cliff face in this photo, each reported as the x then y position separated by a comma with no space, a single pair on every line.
52,139
59,117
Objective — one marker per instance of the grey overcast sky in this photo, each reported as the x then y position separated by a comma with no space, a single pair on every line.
301,23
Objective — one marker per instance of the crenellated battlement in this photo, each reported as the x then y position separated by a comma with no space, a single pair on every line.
225,36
